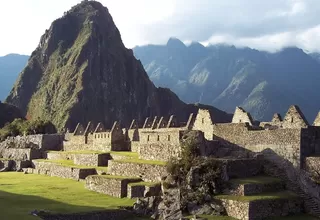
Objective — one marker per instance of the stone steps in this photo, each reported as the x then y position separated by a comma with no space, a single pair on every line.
64,169
254,185
143,189
149,171
260,206
116,186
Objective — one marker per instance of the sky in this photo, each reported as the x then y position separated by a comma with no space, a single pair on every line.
261,24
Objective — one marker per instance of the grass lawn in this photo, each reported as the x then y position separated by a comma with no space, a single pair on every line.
256,180
70,163
78,152
21,193
125,153
144,184
262,196
296,217
150,162
211,217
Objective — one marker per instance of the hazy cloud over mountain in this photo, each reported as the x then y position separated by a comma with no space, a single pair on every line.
267,25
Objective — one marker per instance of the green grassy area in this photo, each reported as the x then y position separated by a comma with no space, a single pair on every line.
209,217
4,159
151,162
144,184
69,163
78,152
20,194
262,196
256,180
117,177
296,217
125,153
120,153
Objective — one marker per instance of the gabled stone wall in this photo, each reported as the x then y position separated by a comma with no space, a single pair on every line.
317,120
203,122
241,116
294,118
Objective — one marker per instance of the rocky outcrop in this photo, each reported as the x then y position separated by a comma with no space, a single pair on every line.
82,72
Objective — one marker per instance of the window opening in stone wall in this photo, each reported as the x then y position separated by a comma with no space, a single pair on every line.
158,138
108,135
95,136
202,120
168,137
240,120
148,138
105,135
292,120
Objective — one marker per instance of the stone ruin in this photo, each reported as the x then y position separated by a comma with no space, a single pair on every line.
129,162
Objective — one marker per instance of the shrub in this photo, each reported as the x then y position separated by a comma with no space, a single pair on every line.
24,127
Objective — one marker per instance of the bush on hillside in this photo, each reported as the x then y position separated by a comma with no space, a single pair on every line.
23,127
198,178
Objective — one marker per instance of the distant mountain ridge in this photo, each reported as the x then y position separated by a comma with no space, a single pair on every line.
10,67
225,76
81,72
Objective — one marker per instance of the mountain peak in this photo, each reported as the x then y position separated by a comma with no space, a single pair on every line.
81,72
175,43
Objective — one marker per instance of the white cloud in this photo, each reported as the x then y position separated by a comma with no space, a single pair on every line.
267,25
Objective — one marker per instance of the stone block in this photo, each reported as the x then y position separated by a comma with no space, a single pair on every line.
92,159
146,171
261,208
110,185
21,153
62,171
136,191
254,185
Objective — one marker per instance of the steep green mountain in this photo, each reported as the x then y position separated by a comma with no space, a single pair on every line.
81,72
8,113
225,76
10,67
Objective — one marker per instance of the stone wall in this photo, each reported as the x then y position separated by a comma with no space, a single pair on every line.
253,189
102,140
91,159
241,116
260,209
160,151
203,122
52,142
41,141
317,120
135,146
21,154
147,172
52,169
294,118
283,142
14,165
60,155
135,191
310,141
313,167
73,142
160,145
105,215
108,185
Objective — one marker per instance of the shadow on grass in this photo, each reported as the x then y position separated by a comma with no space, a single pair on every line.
17,206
